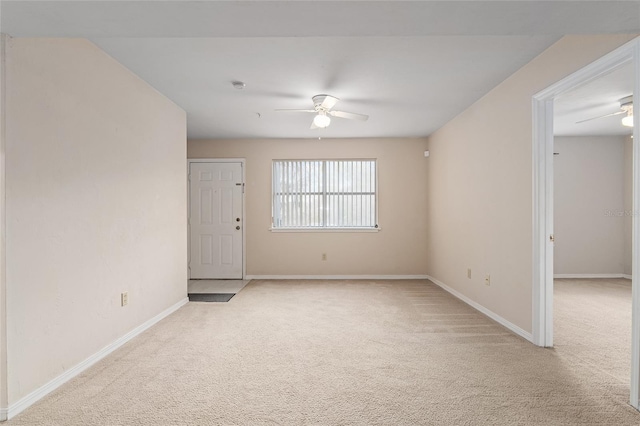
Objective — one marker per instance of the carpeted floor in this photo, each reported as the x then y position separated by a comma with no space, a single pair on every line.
335,353
592,325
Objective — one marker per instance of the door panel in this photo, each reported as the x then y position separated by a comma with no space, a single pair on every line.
215,223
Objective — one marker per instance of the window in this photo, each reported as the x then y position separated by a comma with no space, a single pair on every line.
324,194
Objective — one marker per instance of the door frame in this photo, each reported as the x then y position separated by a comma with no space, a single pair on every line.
542,109
242,162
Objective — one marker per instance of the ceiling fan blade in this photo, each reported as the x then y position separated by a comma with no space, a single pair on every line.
295,110
602,116
348,115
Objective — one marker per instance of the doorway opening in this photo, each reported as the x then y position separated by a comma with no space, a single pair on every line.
592,197
543,202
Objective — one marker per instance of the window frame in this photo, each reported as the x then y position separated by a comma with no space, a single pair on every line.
324,193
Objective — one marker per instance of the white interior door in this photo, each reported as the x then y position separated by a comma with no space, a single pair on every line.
215,220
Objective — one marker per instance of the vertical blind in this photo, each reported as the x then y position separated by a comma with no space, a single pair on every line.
324,194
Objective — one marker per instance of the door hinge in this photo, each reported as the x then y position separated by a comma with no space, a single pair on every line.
552,238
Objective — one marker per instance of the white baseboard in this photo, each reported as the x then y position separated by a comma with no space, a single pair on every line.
497,318
604,276
336,277
39,393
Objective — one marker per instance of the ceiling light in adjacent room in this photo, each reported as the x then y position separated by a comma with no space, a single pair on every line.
238,85
628,120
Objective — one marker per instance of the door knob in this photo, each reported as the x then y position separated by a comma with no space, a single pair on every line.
237,219
238,227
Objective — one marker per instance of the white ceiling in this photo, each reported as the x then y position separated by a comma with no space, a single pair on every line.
594,99
409,86
411,66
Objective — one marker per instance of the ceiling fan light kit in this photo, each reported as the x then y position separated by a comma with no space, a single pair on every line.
322,105
626,105
321,121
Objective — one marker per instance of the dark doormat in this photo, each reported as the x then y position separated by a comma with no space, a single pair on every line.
210,297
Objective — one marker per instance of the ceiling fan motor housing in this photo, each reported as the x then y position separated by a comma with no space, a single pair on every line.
324,102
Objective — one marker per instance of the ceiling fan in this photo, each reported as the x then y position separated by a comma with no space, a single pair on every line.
322,105
626,107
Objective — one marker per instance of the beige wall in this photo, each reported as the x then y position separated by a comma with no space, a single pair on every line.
96,205
398,249
589,205
479,183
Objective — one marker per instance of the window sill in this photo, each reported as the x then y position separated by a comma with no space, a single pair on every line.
314,230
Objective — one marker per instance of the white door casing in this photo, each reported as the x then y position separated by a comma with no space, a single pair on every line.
216,222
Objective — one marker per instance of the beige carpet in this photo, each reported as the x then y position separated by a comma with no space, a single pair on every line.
334,353
592,325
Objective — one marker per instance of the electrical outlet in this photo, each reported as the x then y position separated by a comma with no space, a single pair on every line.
469,273
324,256
487,279
124,298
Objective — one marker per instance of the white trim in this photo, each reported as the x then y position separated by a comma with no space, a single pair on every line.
542,306
588,276
598,68
33,397
243,163
337,277
4,41
542,286
634,394
497,318
324,230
